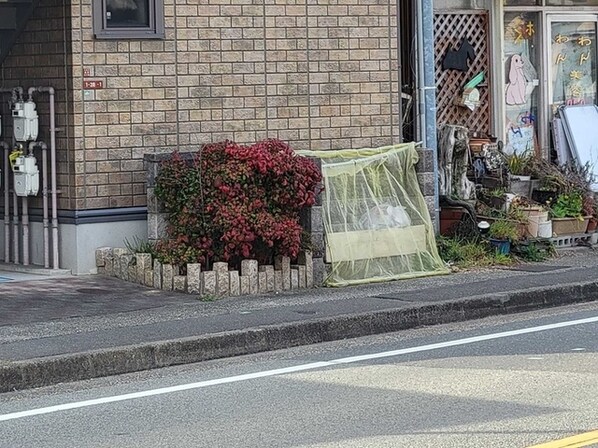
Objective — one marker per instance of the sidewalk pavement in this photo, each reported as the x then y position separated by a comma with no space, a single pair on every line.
55,330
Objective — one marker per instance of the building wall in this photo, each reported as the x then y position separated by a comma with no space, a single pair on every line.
42,57
316,74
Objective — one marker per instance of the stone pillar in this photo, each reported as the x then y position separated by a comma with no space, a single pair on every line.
194,278
283,264
104,260
244,283
427,180
157,274
305,259
179,283
167,277
235,283
149,278
222,278
294,279
144,263
249,268
208,283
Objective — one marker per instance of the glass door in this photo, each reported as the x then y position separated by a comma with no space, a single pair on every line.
522,64
572,60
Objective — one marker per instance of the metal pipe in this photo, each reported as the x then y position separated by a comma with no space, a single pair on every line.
6,148
15,228
428,76
20,91
25,227
46,221
25,221
51,92
16,93
400,68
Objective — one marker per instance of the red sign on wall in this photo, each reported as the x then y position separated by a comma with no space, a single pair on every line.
93,85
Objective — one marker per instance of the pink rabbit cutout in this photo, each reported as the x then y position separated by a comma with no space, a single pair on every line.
517,83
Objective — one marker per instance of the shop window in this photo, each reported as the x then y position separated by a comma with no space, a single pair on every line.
573,70
128,19
522,60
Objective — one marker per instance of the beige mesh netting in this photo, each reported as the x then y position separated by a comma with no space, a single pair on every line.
377,224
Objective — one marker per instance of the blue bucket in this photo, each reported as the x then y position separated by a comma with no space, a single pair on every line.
502,246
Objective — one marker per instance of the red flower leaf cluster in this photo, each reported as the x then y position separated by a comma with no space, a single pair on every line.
232,202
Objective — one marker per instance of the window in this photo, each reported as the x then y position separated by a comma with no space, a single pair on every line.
128,19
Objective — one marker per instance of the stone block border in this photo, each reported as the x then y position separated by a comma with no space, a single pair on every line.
220,281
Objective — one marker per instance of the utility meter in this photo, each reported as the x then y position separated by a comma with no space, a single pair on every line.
26,175
25,121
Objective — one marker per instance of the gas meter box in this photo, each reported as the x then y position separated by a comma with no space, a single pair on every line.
26,176
25,121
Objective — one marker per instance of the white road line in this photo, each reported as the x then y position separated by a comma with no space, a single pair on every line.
293,369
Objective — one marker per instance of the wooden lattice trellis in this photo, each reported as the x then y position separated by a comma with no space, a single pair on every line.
450,28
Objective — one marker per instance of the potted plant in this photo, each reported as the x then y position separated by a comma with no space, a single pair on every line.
530,212
494,198
502,233
519,166
567,218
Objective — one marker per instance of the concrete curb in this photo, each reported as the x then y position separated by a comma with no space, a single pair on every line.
115,361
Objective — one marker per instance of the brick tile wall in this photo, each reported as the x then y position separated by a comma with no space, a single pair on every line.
320,74
41,57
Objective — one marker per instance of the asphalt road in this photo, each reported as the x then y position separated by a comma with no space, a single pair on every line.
511,381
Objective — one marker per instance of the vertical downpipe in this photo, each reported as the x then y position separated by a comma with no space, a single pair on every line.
54,191
426,53
46,221
15,227
55,258
25,226
6,149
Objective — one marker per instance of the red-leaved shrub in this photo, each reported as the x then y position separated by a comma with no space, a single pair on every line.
233,202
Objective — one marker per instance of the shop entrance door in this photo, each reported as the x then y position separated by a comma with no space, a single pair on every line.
572,76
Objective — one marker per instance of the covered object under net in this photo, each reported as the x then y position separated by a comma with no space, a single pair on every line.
376,220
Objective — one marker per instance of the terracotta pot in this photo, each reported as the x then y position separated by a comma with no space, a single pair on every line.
570,226
449,218
592,225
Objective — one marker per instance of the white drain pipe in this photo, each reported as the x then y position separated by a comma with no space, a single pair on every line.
16,94
15,228
6,148
54,191
46,221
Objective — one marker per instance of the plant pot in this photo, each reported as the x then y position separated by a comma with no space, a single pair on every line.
491,182
592,225
521,185
545,229
502,246
449,218
535,216
543,196
569,226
